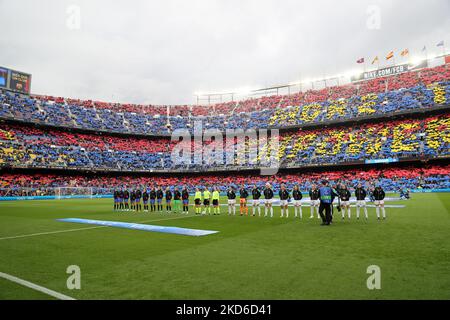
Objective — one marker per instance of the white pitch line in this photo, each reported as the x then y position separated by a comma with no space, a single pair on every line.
45,233
80,229
36,287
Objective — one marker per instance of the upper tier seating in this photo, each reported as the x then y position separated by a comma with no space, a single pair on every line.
408,91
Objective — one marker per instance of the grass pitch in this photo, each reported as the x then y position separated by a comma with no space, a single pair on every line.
250,258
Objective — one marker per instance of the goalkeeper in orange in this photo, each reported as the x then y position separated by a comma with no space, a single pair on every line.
243,194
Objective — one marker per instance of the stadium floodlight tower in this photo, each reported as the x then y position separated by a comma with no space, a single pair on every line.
73,192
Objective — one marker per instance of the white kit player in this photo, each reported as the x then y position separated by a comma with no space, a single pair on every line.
268,197
297,195
314,201
284,201
231,195
378,194
256,195
345,195
360,194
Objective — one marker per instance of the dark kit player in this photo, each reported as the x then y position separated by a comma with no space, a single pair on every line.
132,200
185,199
138,194
145,197
159,197
126,197
116,200
152,200
168,200
121,195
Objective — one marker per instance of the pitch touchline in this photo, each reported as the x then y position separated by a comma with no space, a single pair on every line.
35,287
87,228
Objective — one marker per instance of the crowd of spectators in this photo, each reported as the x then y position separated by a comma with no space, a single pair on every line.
391,179
427,137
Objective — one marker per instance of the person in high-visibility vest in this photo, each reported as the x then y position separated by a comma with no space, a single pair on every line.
206,200
198,201
215,200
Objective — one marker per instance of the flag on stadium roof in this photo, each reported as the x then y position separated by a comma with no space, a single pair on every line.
390,55
404,53
361,60
375,60
440,44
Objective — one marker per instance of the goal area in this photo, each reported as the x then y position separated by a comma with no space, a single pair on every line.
73,192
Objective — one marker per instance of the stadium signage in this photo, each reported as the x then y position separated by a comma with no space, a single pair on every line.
387,160
384,72
15,80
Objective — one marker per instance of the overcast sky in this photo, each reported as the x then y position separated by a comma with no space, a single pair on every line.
161,52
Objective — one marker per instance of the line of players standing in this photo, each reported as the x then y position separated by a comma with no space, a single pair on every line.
126,200
152,200
341,192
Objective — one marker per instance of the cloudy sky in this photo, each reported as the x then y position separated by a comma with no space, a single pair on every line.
161,52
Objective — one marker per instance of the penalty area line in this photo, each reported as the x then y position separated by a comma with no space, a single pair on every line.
86,228
36,287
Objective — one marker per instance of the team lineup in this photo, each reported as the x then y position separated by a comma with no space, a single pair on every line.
207,200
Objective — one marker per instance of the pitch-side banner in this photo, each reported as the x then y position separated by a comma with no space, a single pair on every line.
390,71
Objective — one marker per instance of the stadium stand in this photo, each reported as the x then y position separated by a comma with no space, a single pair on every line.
318,128
428,137
408,91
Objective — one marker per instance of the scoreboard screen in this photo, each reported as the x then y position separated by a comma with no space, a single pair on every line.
15,80
3,77
19,81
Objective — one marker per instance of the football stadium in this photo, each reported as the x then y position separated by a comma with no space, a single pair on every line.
331,188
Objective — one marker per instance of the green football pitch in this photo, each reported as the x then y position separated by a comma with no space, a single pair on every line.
249,258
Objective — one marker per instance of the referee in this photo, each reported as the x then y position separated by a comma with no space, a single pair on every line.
326,196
